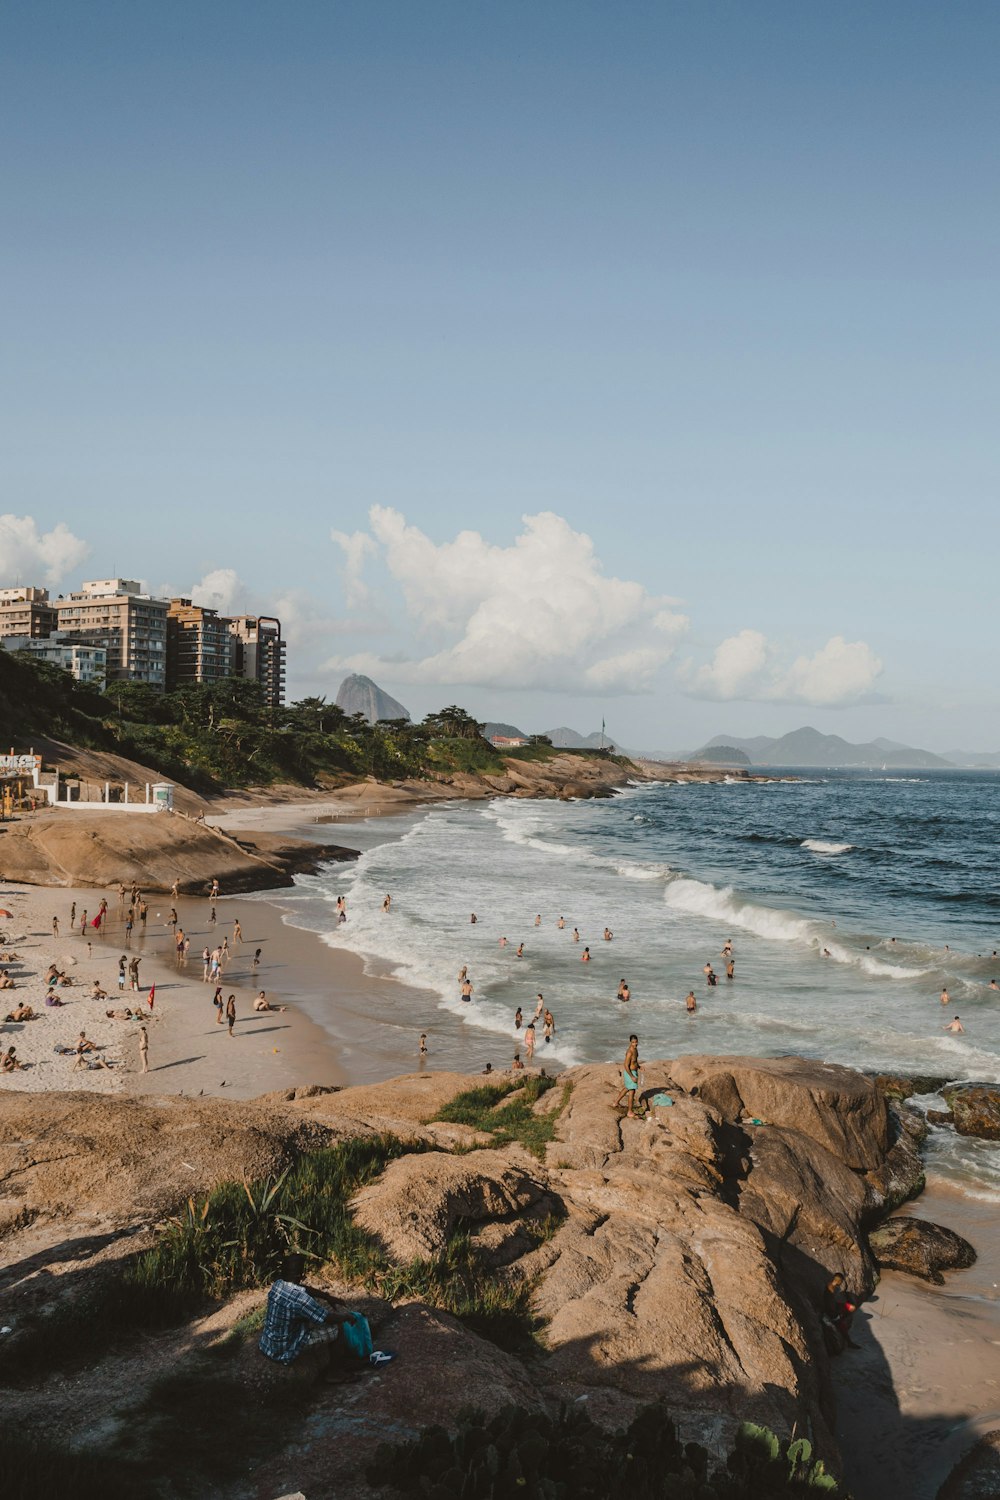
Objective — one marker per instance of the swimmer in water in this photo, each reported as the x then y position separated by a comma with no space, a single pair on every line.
561,923
538,920
576,934
502,943
387,903
423,1044
608,934
994,985
727,949
473,918
585,956
529,1040
690,1003
467,988
538,1008
730,969
955,1025
945,997
518,1019
549,1021
520,951
463,973
711,977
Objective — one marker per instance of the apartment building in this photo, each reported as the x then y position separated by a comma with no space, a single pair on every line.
26,612
130,626
260,654
200,645
87,663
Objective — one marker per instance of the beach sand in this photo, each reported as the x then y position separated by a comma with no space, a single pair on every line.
926,1380
925,1383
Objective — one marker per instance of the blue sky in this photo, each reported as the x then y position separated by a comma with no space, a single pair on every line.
712,285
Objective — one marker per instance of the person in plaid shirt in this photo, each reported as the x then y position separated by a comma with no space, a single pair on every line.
299,1318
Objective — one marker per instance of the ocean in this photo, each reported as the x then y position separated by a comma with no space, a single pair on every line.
851,899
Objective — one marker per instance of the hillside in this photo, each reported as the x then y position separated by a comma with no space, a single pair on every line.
808,747
360,695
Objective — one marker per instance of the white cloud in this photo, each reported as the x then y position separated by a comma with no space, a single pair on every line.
841,672
539,613
31,557
222,589
357,547
747,665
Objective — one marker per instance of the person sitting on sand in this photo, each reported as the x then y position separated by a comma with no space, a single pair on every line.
22,1012
6,983
517,1066
9,1062
262,1003
488,1068
52,999
303,1318
84,1044
96,993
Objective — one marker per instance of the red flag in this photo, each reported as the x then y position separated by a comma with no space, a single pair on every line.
152,992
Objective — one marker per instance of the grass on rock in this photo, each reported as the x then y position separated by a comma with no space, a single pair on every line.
484,1109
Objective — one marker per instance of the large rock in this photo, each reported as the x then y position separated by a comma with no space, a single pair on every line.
837,1107
977,1477
976,1108
901,1175
359,695
920,1247
415,1205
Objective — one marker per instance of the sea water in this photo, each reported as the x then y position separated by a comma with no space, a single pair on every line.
851,900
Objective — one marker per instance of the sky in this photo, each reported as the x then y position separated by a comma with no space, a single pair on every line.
565,361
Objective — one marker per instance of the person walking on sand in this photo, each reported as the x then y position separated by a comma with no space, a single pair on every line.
133,972
529,1040
174,890
237,931
206,960
55,926
83,923
144,1049
423,1034
630,1076
72,915
955,1025
214,892
255,965
231,1013
129,924
218,1003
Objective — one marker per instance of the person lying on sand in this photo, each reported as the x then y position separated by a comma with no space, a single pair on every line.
10,1061
262,1003
91,1063
120,1015
22,1013
10,957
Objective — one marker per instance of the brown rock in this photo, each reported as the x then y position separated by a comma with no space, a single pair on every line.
835,1106
976,1107
921,1248
977,1477
901,1175
414,1206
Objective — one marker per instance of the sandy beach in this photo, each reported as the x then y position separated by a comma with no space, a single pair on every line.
911,1401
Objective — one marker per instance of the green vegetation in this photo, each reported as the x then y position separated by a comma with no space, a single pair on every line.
235,1238
224,734
483,1108
533,1457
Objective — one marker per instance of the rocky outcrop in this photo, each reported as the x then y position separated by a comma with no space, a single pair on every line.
680,1255
976,1109
921,1248
359,695
62,848
900,1176
977,1477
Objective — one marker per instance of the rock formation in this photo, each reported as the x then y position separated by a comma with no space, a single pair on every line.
679,1256
359,695
921,1248
975,1108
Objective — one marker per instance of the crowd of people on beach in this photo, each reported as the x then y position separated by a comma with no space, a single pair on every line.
59,986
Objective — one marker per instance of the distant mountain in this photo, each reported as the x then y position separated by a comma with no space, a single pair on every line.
509,731
569,739
807,747
975,760
359,695
723,755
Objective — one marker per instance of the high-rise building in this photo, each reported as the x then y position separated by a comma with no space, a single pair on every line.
129,625
260,654
200,645
26,611
87,663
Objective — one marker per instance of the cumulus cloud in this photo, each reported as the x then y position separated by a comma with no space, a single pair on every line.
30,556
303,617
840,674
539,613
357,547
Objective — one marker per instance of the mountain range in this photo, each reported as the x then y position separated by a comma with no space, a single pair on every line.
808,747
